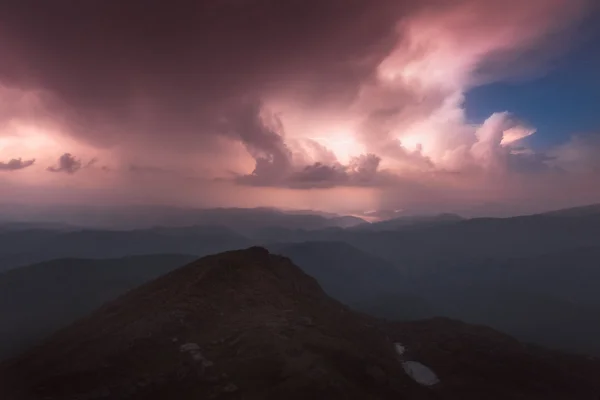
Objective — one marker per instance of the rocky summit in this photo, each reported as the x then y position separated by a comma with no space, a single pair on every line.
248,324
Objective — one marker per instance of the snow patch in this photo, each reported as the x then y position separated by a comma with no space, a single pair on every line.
189,348
420,373
400,349
194,350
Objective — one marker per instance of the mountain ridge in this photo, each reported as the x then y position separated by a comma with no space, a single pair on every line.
250,324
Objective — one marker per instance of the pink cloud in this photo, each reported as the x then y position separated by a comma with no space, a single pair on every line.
16,164
362,98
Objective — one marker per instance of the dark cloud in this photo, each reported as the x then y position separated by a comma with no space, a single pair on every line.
320,175
262,135
67,163
184,88
165,72
364,167
168,74
16,164
360,171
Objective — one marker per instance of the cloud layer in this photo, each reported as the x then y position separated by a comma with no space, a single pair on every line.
16,164
66,163
284,103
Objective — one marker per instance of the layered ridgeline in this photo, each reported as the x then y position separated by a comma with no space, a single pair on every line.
250,324
106,233
533,277
28,246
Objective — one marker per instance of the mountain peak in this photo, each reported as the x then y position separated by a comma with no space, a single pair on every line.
225,283
249,272
242,321
250,324
257,251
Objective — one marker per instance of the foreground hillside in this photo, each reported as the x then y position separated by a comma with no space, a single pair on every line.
249,324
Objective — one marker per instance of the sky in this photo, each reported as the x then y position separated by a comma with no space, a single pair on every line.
349,106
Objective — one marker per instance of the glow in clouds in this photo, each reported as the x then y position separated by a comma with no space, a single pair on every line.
25,139
342,144
373,111
44,145
412,115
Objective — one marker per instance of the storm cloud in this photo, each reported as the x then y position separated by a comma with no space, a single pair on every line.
291,95
16,164
67,163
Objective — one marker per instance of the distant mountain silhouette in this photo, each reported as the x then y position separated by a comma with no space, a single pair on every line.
358,279
455,243
249,324
31,246
514,274
592,209
27,226
571,274
343,271
527,315
410,221
242,220
39,299
420,246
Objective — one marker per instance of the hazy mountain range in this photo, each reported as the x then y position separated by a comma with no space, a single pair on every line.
534,277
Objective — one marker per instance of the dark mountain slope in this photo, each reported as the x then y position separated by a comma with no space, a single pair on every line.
251,325
529,316
267,328
551,300
495,363
39,299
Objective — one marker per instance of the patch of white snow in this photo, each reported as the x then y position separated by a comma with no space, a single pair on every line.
194,350
420,373
189,347
400,349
